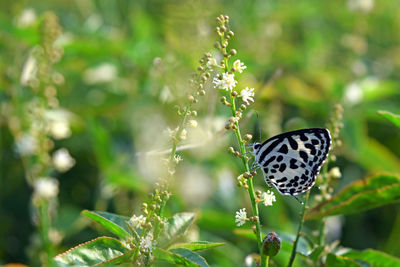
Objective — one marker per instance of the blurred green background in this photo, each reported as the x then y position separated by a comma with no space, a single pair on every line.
127,63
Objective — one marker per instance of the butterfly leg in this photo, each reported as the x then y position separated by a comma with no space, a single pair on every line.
301,202
254,166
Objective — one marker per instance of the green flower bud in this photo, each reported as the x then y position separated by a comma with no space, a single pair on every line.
271,244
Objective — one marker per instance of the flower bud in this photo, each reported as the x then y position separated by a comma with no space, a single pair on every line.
248,137
271,244
231,150
234,93
233,52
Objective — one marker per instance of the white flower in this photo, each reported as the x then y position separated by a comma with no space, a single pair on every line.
335,172
240,217
227,82
239,66
183,134
26,145
46,188
247,95
29,71
365,6
177,159
103,73
62,160
145,244
193,123
59,129
211,63
268,197
137,221
27,18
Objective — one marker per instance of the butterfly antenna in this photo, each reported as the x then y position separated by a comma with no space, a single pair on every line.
259,127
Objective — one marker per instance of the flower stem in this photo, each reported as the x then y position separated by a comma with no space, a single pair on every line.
254,206
179,132
303,212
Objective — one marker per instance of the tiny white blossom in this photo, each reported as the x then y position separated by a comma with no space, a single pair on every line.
268,197
46,187
211,63
247,95
239,66
335,172
103,73
183,134
240,217
137,221
227,82
146,243
177,159
59,129
62,160
193,123
26,145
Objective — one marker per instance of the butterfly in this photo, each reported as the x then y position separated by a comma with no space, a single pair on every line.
291,161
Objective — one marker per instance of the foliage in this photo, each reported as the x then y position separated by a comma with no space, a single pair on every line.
96,112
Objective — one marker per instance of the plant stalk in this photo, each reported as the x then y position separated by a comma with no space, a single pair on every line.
254,206
303,212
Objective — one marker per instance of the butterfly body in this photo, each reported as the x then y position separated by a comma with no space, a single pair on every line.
291,161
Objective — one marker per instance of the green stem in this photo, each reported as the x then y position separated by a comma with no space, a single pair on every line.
303,212
179,132
44,232
254,206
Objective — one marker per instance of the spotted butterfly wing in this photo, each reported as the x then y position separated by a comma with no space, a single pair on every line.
291,161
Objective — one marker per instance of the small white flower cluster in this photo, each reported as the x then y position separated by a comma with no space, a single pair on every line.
146,243
247,95
268,198
227,82
137,221
241,217
62,160
45,188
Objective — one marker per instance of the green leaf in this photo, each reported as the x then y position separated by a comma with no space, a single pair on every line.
197,246
374,257
114,223
339,261
391,117
176,226
181,256
361,195
98,251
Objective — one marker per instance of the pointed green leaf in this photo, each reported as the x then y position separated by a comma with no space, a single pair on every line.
181,256
394,118
97,251
373,257
114,223
340,261
197,246
176,226
361,195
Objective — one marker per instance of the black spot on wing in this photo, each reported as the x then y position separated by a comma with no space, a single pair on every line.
271,159
303,155
293,144
279,158
283,149
282,168
303,137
